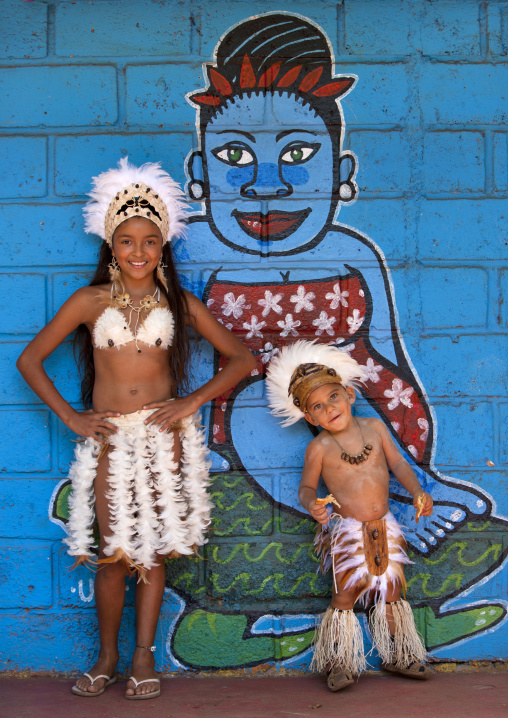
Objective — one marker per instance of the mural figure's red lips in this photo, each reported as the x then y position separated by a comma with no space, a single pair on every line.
274,225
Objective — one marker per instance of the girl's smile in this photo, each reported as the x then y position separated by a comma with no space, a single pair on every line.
137,246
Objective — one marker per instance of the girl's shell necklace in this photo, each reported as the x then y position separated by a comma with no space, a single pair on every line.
124,301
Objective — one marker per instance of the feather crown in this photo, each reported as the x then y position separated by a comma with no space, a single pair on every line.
130,191
336,363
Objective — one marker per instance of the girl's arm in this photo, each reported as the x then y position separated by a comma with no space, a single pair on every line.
307,493
74,312
401,469
240,364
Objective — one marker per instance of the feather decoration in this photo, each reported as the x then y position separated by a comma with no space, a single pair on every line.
283,365
82,499
195,479
108,184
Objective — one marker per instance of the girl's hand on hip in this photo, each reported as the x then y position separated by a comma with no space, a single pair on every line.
170,411
93,424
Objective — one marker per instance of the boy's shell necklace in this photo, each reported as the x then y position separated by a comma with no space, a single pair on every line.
359,458
124,301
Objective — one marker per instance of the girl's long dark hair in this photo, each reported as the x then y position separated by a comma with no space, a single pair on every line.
179,353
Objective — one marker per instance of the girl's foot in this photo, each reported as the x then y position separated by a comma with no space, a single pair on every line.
105,666
143,670
338,680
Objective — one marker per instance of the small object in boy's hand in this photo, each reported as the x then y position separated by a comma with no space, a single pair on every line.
328,500
420,503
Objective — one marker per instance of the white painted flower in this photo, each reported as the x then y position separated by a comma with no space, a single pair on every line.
398,395
349,348
372,370
234,306
355,322
424,425
210,302
254,372
270,302
396,425
268,352
361,293
413,450
302,299
337,297
215,429
224,406
288,326
324,324
254,327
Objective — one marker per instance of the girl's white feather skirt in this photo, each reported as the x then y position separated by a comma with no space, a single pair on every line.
157,506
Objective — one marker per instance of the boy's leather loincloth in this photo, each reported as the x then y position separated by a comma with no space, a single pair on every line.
366,557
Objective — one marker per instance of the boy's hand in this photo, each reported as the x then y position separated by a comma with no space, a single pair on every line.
319,512
425,507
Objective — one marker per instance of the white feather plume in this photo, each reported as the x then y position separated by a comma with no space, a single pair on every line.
283,365
107,185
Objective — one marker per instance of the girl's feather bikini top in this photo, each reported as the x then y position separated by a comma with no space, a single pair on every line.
112,328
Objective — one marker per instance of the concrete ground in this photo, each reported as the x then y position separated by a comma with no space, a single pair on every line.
455,695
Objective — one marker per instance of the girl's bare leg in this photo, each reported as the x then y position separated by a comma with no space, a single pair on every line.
148,606
109,591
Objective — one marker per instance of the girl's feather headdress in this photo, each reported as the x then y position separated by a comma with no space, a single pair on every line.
130,191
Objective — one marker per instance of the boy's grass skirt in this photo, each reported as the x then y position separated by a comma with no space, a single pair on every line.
157,506
366,558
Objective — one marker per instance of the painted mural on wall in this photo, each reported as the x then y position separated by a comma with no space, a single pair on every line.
272,175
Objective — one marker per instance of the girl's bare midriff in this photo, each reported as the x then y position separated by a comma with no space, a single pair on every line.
126,380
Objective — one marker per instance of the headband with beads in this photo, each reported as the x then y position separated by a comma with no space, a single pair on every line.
130,191
299,368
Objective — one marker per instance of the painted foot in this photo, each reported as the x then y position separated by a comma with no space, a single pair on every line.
95,681
144,682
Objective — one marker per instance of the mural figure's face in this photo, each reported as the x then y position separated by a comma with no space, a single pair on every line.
270,191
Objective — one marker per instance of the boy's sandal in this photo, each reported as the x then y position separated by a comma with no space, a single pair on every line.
338,680
416,670
144,696
93,694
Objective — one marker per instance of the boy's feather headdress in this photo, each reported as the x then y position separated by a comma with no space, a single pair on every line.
129,191
299,369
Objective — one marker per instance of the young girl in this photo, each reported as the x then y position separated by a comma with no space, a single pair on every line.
142,470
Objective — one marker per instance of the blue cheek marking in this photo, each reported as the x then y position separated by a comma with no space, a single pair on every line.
238,176
295,176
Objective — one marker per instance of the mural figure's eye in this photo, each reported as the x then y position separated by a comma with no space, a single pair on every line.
297,153
235,154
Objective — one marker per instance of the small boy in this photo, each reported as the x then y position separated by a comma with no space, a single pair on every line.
362,543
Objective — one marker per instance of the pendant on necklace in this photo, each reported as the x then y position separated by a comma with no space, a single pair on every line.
359,458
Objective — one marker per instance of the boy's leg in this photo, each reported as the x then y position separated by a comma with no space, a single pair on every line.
396,637
339,641
109,591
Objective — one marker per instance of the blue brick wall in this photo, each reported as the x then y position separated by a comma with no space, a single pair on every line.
85,83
